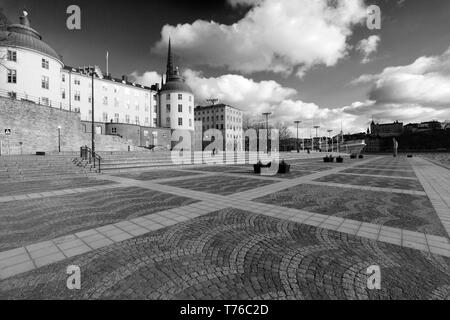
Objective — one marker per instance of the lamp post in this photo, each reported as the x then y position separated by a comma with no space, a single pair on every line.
59,139
267,114
329,131
93,126
316,127
297,122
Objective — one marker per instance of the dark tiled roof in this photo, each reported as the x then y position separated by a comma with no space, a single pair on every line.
176,86
25,37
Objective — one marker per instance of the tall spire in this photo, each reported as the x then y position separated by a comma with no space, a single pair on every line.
169,70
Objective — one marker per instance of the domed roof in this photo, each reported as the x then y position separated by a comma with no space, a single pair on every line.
176,86
22,35
174,81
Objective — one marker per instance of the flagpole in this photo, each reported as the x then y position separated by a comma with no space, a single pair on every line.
107,63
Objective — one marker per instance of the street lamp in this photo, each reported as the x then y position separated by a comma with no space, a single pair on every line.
316,127
329,131
297,122
59,139
267,114
92,101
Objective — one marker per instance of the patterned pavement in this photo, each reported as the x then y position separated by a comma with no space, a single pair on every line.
224,233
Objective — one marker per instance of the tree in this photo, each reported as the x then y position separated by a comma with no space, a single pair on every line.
283,131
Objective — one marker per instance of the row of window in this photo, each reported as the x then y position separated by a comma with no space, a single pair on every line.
180,122
180,108
180,97
11,55
207,118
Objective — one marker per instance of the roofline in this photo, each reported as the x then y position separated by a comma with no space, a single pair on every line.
111,79
216,105
36,51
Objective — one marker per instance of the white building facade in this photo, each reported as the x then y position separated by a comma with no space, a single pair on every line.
31,70
225,118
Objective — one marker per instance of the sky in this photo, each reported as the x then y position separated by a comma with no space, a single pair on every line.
310,60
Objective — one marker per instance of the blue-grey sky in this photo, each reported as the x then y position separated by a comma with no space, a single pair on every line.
313,60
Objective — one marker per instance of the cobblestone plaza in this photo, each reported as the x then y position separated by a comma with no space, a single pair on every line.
222,232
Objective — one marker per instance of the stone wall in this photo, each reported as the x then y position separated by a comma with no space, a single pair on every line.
35,128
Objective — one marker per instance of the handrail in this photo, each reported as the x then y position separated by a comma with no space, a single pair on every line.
86,153
23,96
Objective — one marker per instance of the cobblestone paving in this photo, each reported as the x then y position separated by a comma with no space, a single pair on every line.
232,254
402,211
291,175
222,185
373,181
24,187
381,172
155,174
26,222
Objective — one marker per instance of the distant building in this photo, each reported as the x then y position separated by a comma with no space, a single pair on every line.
423,127
386,129
225,118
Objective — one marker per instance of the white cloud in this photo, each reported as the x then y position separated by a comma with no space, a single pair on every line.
148,78
424,82
367,47
282,36
416,92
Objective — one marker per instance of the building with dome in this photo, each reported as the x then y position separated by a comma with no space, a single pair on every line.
176,99
31,70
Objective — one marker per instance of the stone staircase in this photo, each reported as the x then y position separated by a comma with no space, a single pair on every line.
27,167
138,161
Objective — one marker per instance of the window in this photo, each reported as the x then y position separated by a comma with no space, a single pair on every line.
116,117
221,126
190,109
105,101
136,120
190,122
63,93
90,99
76,81
146,121
155,122
44,82
136,106
155,97
167,108
12,76
116,102
105,117
114,130
128,105
168,96
45,63
127,118
180,96
77,96
12,95
155,109
180,121
168,121
63,77
12,56
190,98
45,101
180,108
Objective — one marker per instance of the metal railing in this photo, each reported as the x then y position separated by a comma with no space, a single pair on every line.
19,96
87,155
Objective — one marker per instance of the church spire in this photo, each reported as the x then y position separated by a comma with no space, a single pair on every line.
169,70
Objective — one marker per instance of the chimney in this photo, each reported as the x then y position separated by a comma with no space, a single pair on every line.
125,78
24,19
